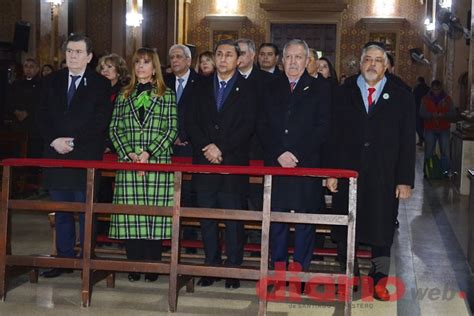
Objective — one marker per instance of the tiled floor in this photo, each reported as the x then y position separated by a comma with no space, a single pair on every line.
429,257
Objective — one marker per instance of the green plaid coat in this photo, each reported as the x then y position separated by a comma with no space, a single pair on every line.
156,135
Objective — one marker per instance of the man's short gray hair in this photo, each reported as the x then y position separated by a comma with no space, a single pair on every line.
250,44
377,47
184,48
296,42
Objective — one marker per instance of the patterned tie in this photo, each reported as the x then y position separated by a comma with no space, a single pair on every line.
179,91
72,89
370,101
220,95
292,86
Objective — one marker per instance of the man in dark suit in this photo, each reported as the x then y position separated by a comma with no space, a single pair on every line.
73,117
183,81
373,132
295,125
268,56
259,81
220,124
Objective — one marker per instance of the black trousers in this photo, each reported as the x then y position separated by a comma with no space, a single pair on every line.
234,230
143,249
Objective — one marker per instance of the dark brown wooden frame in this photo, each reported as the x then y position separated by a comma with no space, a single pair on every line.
180,274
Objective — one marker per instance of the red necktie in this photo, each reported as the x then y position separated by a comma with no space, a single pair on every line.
292,85
369,98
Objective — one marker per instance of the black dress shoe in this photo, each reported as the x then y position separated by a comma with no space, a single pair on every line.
232,283
54,273
207,281
133,276
151,277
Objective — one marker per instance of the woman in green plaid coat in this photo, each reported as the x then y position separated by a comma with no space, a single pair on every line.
143,130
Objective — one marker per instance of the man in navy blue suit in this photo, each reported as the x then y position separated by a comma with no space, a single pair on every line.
73,116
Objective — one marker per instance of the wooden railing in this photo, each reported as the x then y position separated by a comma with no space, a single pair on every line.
180,273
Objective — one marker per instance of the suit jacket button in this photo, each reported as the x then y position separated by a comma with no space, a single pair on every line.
286,131
216,126
366,144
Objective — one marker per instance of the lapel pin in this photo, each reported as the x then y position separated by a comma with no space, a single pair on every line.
237,89
85,82
306,88
386,96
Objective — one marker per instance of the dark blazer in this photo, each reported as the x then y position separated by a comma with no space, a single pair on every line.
185,100
297,122
381,147
86,120
229,129
259,80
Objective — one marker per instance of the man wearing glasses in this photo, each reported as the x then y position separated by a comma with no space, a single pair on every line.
373,132
73,116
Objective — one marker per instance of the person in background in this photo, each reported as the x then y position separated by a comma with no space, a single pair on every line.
268,56
46,70
420,90
326,69
63,64
312,67
114,68
342,79
23,101
205,65
183,81
437,111
73,116
143,129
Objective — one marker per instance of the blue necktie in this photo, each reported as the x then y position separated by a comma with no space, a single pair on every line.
72,89
179,91
220,95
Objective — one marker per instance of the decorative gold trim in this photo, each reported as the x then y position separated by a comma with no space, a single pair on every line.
397,21
226,18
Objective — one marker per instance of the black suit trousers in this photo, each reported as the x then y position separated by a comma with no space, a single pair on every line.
234,230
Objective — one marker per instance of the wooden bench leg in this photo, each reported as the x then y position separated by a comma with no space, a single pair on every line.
33,276
111,280
190,286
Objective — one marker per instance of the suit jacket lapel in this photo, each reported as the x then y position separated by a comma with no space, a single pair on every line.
154,101
63,87
381,101
300,89
357,99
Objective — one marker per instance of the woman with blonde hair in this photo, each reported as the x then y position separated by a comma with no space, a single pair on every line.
114,68
143,129
206,65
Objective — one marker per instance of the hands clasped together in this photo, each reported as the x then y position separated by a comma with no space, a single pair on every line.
212,153
63,145
402,191
141,158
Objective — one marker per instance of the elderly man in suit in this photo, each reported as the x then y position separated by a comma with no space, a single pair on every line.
220,124
73,116
183,81
373,132
295,125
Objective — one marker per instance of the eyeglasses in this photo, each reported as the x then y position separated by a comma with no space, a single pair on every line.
77,51
370,60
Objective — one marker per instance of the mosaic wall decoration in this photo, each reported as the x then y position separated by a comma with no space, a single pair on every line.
353,33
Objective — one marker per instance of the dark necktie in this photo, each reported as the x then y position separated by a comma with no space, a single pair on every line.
292,86
179,91
72,89
370,100
220,95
